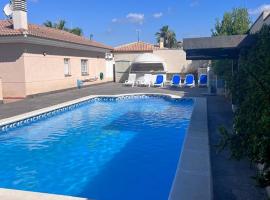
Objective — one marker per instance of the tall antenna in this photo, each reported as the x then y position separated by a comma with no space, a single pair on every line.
138,34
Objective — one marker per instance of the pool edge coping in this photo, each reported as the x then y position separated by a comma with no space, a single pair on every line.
193,178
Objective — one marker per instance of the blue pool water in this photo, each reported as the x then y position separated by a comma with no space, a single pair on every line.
104,150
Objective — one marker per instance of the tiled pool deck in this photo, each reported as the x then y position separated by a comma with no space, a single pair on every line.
231,179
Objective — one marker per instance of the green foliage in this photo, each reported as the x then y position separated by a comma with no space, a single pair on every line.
251,134
168,35
61,25
236,22
233,23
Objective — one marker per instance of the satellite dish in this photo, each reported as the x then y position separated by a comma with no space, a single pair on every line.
8,10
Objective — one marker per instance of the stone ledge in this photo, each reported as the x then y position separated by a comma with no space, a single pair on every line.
7,194
193,179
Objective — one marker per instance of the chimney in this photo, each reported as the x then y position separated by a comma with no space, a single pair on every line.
19,15
161,43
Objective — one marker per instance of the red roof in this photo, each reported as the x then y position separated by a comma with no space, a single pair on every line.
6,29
135,47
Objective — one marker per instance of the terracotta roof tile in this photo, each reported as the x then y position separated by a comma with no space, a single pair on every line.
136,47
6,29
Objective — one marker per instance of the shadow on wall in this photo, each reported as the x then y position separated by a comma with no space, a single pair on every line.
124,76
58,51
11,52
122,69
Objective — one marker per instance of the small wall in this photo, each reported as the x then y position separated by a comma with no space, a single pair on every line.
1,92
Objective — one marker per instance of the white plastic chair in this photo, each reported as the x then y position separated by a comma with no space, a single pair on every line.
131,80
147,80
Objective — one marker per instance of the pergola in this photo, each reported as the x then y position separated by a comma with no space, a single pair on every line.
216,48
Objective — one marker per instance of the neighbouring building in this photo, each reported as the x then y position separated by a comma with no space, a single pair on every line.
35,59
130,56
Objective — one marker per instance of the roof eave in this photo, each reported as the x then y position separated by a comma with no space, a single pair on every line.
28,39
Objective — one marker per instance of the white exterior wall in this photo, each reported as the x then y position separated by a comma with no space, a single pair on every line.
175,60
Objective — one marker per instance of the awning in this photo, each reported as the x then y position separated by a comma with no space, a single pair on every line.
218,47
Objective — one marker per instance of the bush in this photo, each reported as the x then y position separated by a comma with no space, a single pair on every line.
251,89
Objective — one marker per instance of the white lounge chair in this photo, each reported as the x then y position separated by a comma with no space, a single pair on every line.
131,80
147,80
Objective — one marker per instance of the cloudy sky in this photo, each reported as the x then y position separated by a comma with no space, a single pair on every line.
118,21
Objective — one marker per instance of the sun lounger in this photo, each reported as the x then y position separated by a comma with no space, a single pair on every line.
176,80
189,80
202,80
159,81
146,81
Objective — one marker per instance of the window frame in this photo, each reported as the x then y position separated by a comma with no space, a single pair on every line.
84,72
69,67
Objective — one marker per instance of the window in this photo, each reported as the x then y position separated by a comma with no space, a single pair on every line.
84,67
67,70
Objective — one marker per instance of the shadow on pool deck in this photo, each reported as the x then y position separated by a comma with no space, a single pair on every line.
231,179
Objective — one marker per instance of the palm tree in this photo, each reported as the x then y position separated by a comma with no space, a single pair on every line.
77,31
48,23
61,25
168,35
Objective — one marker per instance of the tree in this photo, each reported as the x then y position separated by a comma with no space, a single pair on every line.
168,36
77,31
48,24
236,22
61,25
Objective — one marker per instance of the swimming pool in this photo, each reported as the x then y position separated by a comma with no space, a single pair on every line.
109,148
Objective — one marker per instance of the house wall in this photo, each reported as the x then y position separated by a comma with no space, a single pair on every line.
12,71
175,60
126,56
32,69
44,68
122,65
1,92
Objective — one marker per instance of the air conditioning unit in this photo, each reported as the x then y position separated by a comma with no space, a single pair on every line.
109,56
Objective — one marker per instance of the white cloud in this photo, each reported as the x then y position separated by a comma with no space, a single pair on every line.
114,20
259,10
158,15
136,18
194,3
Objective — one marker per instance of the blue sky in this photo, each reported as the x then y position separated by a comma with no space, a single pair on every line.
115,22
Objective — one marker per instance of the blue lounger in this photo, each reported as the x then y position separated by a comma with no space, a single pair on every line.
159,80
189,80
202,80
176,80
